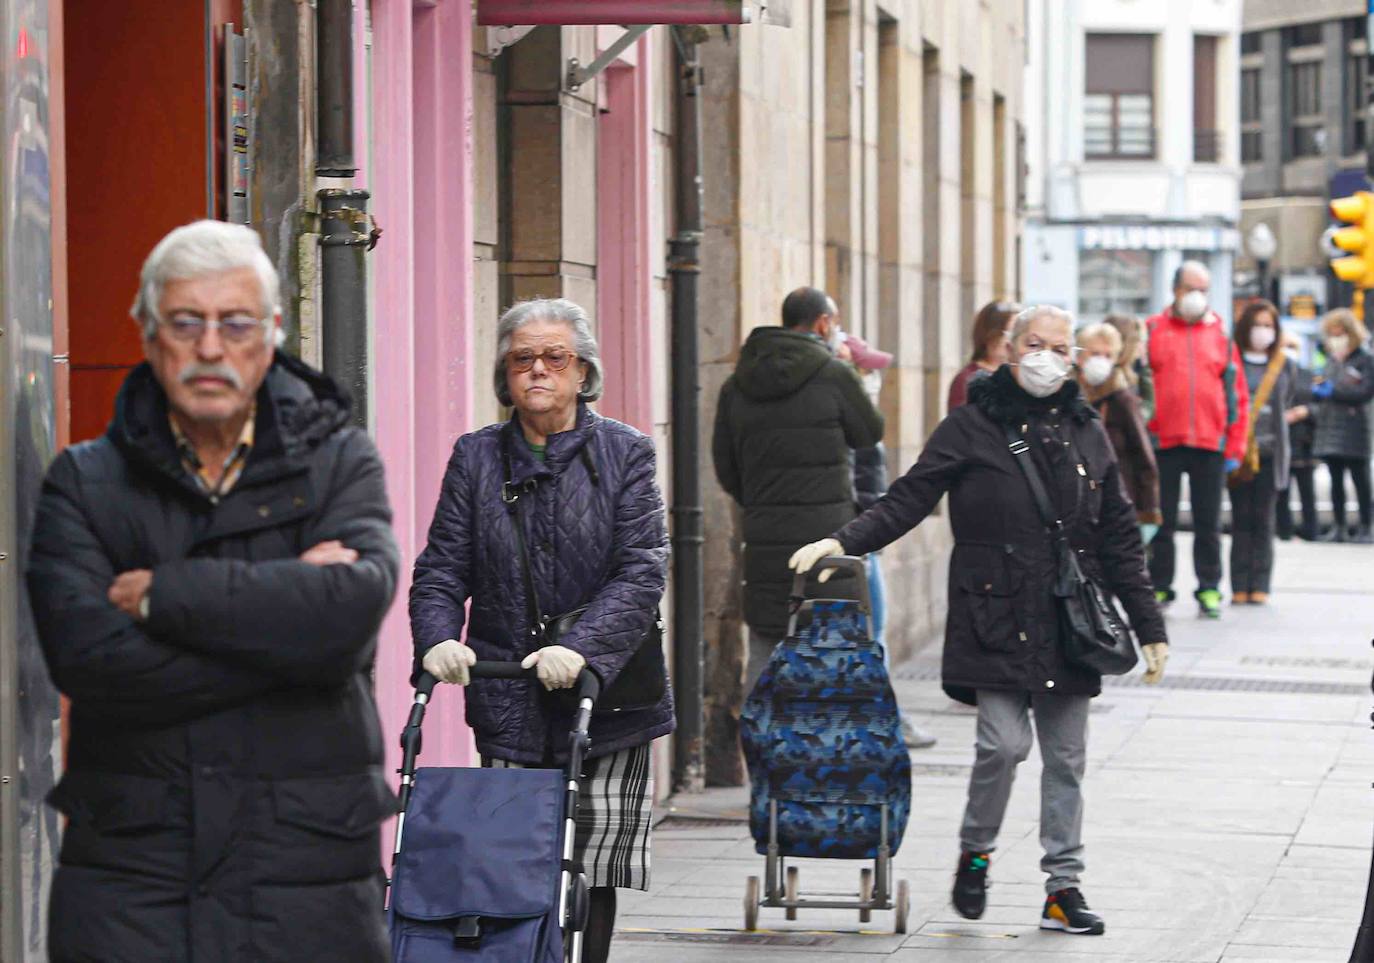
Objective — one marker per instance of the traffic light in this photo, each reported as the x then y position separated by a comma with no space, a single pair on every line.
1357,211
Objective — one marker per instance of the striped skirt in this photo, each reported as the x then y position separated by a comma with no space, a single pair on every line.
614,816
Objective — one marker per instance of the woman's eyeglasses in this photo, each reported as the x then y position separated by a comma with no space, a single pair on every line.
555,359
237,328
1069,351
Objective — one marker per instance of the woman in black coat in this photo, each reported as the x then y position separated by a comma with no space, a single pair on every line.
1003,650
1345,391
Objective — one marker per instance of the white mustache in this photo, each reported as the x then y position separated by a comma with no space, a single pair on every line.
221,371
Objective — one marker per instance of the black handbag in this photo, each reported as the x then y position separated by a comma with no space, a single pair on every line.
1095,635
640,684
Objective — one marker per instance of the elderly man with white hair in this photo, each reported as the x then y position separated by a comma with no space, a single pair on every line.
1006,645
207,579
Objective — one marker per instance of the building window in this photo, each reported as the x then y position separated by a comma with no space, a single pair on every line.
1356,86
1250,42
1118,103
1206,137
1303,90
1251,129
1115,281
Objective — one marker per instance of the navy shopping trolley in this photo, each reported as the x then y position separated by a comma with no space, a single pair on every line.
483,867
829,772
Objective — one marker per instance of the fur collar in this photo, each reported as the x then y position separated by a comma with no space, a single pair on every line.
1002,399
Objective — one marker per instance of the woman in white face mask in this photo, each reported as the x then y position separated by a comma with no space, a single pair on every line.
1345,390
1107,388
1264,471
1005,647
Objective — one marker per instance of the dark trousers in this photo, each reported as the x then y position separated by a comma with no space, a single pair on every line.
1204,471
1305,477
1359,475
1252,531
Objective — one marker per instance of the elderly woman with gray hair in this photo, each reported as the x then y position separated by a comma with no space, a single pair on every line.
576,585
1005,647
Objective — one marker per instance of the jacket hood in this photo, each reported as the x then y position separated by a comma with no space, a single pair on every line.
1001,398
298,408
776,362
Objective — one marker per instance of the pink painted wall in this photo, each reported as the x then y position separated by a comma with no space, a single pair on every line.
625,237
421,182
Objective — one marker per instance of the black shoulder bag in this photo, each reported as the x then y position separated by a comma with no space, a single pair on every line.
1094,634
642,681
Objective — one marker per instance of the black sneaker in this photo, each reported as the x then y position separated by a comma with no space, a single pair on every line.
1066,910
1164,597
971,885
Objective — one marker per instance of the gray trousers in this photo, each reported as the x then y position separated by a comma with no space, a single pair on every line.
1003,741
760,649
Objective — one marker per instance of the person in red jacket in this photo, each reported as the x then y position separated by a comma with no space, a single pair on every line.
1199,428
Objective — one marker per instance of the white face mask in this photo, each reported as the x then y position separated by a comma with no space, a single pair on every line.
1042,373
1338,345
836,338
1261,338
1097,369
1192,306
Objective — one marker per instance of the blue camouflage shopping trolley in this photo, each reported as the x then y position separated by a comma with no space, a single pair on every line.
829,772
483,868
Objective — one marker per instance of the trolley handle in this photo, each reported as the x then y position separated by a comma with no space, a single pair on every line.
853,564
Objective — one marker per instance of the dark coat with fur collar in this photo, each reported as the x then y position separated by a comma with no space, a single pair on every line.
1002,629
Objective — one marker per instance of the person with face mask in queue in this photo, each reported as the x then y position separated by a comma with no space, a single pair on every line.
1274,383
1302,468
1344,392
1199,425
1106,387
870,484
1004,648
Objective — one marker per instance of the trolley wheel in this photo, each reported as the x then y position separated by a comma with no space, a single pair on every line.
903,906
866,894
751,903
793,890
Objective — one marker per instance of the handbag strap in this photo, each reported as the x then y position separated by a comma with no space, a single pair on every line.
1020,450
511,495
1266,388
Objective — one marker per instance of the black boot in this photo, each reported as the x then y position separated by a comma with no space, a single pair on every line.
1363,536
1336,533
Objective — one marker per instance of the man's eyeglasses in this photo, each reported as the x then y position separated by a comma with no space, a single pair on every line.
555,359
236,328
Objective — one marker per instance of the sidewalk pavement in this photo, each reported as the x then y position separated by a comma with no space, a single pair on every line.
1229,810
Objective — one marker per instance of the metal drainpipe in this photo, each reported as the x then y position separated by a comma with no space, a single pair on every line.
344,226
684,266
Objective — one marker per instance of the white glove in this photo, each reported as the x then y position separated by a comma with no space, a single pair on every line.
449,661
558,666
1156,654
804,558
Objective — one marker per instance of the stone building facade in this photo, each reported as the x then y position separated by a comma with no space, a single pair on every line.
871,148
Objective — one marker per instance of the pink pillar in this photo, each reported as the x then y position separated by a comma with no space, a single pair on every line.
625,240
420,178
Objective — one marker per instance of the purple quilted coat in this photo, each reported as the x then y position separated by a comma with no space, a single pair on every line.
595,531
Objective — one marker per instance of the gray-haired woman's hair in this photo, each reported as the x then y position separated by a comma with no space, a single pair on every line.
199,249
1022,322
558,310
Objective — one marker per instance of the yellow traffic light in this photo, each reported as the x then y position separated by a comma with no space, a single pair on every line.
1358,211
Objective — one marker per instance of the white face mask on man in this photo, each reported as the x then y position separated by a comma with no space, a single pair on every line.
1042,373
1192,306
1097,369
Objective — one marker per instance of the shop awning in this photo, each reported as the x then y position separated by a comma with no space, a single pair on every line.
498,13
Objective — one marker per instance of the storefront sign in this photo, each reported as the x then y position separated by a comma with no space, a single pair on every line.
1145,237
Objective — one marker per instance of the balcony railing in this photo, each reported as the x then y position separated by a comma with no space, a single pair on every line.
1118,142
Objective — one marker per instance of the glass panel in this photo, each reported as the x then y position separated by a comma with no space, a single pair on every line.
1251,146
1135,125
1308,140
1097,124
1249,95
1111,281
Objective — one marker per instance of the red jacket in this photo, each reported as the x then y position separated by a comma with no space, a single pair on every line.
1201,400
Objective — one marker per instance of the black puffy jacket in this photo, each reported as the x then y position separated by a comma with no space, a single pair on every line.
224,778
1002,629
785,424
595,532
1343,418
